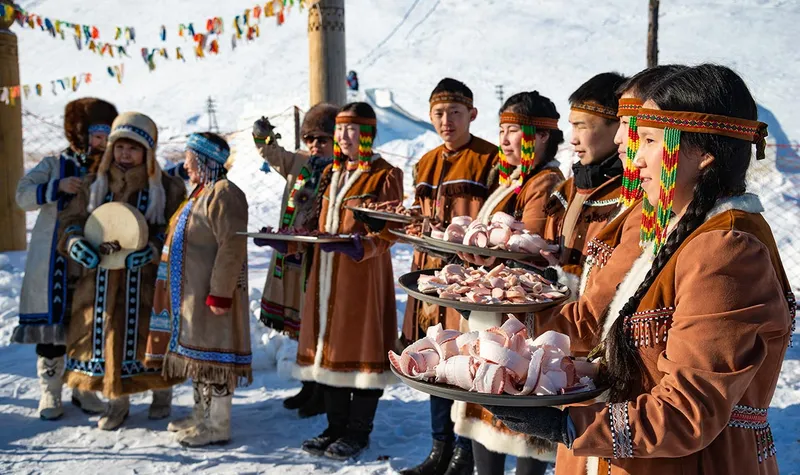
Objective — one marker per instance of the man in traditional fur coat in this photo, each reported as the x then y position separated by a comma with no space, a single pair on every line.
45,296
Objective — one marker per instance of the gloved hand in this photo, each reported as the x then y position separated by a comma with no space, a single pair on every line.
353,249
262,129
280,246
138,259
374,225
81,251
549,423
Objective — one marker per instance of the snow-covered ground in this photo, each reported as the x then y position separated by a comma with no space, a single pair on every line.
401,49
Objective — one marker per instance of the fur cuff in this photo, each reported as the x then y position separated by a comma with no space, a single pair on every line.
572,282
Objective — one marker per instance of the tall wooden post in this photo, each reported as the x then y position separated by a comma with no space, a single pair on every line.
652,35
12,218
326,53
296,128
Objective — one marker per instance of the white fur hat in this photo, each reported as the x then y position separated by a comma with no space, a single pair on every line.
142,130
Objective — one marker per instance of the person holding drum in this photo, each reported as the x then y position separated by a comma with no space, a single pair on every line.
201,318
349,320
522,182
123,205
43,302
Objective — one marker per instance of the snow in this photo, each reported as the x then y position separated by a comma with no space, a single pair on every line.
400,51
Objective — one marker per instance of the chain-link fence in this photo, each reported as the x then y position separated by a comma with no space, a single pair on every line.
776,179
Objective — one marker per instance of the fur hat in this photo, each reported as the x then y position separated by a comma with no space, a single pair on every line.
320,119
142,130
80,114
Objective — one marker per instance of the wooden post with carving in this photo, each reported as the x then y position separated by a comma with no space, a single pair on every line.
326,53
12,218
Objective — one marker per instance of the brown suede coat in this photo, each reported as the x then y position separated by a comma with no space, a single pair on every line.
447,184
111,309
711,332
349,320
600,206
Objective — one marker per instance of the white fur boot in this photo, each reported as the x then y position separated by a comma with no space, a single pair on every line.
198,411
116,413
50,371
87,401
216,429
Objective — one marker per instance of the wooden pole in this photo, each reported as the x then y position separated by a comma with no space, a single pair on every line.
296,128
652,35
12,218
326,52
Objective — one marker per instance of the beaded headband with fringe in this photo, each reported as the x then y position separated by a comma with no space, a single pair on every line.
528,125
457,97
366,132
207,149
595,109
675,122
631,191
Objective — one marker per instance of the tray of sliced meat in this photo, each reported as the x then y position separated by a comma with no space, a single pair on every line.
304,238
409,238
502,237
392,211
499,290
499,366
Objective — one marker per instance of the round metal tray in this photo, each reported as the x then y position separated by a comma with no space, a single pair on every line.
457,394
478,251
409,283
303,239
415,240
386,216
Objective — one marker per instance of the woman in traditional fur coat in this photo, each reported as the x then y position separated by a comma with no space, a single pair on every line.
522,183
45,295
351,287
282,298
697,331
201,315
111,308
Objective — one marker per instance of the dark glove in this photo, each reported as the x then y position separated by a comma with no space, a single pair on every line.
82,252
549,423
374,225
352,249
262,129
280,246
138,259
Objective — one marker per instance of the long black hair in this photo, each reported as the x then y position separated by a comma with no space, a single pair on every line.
640,84
710,89
534,104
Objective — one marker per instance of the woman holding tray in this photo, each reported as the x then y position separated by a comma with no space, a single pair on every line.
698,328
349,322
521,184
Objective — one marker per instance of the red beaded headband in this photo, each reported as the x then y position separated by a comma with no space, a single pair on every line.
520,119
595,109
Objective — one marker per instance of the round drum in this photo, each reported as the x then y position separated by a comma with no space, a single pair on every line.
119,222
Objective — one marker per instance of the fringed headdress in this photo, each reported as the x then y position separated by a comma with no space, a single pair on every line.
528,126
366,133
675,122
210,157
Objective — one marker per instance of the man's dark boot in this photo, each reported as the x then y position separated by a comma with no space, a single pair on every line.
315,404
299,399
437,461
359,425
337,406
461,463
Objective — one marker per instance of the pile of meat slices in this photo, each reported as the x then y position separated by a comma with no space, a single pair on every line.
501,285
503,232
500,360
395,207
293,231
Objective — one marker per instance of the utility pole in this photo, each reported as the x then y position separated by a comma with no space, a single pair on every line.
211,109
652,35
326,53
12,218
499,91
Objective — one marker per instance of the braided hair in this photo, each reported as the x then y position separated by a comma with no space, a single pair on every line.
706,88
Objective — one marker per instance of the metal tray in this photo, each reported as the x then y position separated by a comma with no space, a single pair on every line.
386,216
457,394
478,251
415,240
303,239
409,283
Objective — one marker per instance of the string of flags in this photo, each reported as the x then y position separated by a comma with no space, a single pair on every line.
9,95
59,28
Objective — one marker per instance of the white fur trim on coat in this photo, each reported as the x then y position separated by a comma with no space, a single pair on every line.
572,281
343,379
493,439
